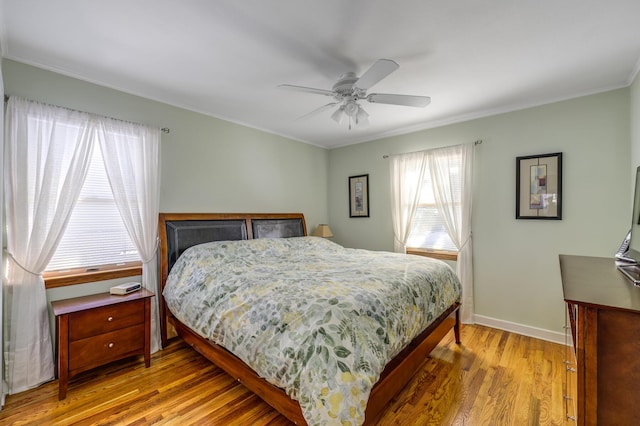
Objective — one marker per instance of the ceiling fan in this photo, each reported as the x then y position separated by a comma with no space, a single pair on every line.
350,89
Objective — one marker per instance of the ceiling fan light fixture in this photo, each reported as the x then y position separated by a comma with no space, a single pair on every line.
351,108
338,115
362,118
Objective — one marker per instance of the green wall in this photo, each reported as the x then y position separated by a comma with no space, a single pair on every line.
516,271
208,165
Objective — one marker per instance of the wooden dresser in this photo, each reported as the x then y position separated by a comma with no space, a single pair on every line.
97,329
604,320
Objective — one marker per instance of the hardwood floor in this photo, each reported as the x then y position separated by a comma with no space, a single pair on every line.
493,378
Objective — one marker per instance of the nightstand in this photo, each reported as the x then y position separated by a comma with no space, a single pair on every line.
97,329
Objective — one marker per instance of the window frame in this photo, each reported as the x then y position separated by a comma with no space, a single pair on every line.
55,279
435,254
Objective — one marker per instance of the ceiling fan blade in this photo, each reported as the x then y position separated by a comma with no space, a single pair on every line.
406,100
317,111
307,89
379,70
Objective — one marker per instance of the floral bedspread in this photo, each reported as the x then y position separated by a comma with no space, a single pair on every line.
311,317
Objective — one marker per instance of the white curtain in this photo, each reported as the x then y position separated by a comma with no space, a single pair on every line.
131,154
454,204
3,387
406,172
48,151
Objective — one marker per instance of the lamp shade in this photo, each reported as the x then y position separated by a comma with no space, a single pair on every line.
323,230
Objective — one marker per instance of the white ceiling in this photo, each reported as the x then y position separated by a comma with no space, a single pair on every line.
226,58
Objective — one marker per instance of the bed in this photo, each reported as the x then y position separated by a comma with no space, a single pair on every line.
259,257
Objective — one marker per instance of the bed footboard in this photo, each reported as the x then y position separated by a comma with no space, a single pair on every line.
393,379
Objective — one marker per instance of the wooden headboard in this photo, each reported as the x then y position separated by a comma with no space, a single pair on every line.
179,231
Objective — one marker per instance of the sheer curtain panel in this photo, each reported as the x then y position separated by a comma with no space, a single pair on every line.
451,172
3,383
131,154
406,172
47,156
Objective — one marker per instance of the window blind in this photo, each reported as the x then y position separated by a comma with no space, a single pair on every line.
427,229
95,233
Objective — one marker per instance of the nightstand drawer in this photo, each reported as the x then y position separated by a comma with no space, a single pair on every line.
103,348
90,322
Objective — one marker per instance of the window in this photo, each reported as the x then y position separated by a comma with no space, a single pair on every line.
95,235
428,229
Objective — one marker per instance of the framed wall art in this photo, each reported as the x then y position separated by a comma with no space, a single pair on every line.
539,186
359,196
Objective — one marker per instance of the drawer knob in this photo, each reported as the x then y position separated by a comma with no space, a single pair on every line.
111,344
110,319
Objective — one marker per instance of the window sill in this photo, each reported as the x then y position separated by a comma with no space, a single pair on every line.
436,254
100,273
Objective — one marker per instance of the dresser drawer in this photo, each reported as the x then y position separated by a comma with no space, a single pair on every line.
90,322
93,351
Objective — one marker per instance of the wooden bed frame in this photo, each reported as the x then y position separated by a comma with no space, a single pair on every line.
178,231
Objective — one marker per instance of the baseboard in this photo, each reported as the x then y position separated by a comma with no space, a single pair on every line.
525,330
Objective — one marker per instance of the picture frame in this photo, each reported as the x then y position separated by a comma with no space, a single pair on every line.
539,186
359,196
